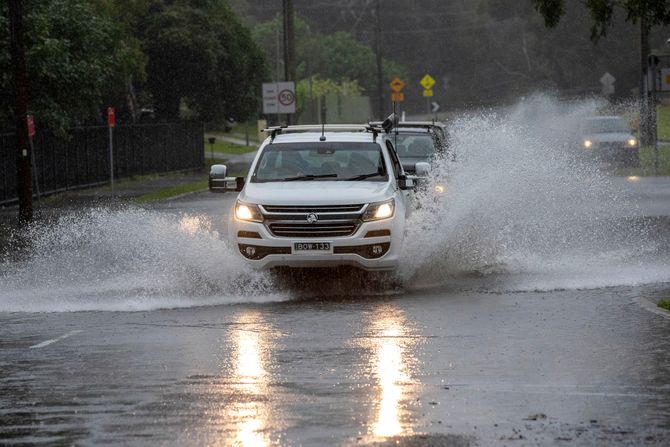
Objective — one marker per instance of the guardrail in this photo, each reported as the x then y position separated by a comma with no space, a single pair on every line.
82,158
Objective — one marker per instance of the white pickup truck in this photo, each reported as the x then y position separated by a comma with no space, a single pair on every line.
321,196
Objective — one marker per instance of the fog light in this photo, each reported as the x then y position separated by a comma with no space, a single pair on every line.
377,250
250,251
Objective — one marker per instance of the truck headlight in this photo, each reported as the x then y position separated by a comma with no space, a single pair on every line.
632,142
379,210
248,212
588,144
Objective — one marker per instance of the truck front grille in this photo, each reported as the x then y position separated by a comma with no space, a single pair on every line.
307,230
332,220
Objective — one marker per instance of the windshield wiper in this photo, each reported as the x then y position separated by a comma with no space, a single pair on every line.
364,176
308,177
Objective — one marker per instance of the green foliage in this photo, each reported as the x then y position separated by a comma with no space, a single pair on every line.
75,56
654,12
226,147
551,10
200,56
172,191
337,58
665,304
315,87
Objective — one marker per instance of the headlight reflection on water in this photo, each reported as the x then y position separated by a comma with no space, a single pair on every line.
392,364
252,414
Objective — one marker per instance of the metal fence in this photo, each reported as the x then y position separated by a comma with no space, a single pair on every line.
82,158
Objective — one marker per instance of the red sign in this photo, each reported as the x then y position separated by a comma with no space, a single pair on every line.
30,122
111,118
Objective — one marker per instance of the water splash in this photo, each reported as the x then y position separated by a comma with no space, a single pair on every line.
127,259
524,207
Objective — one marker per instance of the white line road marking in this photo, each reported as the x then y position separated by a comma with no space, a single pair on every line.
54,340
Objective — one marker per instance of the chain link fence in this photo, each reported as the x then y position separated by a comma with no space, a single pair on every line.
82,158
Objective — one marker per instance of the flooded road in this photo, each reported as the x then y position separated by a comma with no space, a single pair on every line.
523,314
431,367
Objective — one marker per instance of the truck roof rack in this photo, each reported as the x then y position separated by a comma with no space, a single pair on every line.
277,130
426,124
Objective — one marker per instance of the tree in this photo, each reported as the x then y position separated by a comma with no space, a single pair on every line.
648,13
201,59
337,57
75,56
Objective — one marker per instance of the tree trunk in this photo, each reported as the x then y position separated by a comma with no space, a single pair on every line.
23,177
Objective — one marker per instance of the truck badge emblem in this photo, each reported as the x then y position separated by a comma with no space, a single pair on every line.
312,218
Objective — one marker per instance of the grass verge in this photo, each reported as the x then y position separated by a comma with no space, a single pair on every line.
647,161
225,147
172,191
663,122
665,304
177,190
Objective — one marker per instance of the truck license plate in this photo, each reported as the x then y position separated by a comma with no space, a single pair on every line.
302,247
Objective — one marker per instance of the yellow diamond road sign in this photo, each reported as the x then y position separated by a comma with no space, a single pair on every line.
397,85
428,82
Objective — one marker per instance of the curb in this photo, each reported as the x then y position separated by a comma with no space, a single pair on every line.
185,194
652,307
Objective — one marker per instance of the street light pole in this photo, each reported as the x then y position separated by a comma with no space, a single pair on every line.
380,61
289,45
24,178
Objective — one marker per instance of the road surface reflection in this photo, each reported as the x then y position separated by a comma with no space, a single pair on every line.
392,364
250,411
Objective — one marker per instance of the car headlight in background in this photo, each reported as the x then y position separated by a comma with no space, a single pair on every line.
440,189
248,212
632,142
588,144
379,210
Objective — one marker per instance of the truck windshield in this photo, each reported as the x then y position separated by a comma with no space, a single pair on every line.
418,147
329,161
606,125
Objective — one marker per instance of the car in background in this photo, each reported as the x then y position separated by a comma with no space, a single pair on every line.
420,141
609,139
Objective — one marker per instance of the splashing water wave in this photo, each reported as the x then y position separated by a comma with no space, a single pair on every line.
128,259
526,211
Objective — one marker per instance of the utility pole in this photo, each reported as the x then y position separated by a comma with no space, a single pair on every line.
378,54
647,123
23,168
289,45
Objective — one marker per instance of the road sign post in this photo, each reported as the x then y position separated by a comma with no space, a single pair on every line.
397,95
427,82
30,124
607,81
279,98
111,122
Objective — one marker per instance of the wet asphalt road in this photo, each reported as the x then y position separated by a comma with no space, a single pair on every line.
431,367
448,366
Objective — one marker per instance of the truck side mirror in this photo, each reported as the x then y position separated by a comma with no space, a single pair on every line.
405,182
218,182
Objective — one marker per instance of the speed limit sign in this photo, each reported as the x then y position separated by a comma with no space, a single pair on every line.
286,98
279,97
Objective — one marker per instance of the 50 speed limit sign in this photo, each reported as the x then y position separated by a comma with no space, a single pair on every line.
279,97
